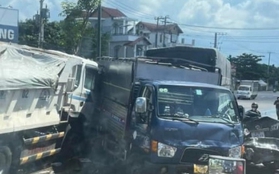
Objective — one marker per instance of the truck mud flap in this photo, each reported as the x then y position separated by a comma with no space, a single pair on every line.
44,138
39,156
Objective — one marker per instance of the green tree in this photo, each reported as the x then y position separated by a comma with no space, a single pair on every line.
248,67
53,34
28,33
76,23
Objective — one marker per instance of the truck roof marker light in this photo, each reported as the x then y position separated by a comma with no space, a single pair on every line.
154,146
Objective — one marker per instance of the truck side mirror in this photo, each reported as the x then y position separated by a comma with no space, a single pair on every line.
140,105
241,111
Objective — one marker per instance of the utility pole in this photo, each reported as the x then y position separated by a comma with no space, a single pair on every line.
269,54
41,33
99,51
40,19
215,40
157,25
165,23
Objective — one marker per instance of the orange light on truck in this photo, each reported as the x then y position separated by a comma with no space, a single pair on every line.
154,146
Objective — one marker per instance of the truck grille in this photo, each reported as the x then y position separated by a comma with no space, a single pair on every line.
197,156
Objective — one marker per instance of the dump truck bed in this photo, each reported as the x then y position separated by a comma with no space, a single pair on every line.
30,87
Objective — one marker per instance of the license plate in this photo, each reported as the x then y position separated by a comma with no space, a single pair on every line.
200,169
258,134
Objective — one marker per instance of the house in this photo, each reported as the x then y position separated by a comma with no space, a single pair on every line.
159,35
122,43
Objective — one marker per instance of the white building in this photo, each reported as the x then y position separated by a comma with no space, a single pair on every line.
167,35
122,43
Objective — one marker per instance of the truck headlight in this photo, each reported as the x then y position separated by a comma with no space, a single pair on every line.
166,150
236,152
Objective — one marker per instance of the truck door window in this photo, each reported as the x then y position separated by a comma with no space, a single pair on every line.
89,78
76,72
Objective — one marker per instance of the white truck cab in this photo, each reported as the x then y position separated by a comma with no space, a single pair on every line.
246,92
81,96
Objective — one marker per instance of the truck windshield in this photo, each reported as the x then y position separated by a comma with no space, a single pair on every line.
196,103
243,88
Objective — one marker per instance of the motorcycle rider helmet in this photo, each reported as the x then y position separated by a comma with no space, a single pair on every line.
254,105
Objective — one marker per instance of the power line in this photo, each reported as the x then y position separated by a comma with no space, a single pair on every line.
133,10
225,28
129,9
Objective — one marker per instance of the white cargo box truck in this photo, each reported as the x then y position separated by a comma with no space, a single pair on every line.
39,90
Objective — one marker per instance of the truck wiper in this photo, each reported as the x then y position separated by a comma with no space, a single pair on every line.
180,118
184,119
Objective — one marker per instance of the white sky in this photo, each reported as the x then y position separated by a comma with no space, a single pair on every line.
244,25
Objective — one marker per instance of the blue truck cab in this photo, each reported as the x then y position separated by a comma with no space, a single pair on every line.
165,118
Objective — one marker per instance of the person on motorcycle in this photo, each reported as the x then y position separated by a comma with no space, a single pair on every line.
276,103
254,110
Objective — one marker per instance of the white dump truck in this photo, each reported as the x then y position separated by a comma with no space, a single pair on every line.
40,90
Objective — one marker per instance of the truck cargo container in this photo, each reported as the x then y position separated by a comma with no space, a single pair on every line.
208,58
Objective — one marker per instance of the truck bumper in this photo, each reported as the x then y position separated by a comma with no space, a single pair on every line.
174,168
244,96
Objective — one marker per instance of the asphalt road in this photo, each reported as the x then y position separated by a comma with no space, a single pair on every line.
265,100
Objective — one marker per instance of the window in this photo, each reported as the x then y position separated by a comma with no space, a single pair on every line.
147,94
76,72
243,88
198,103
161,38
89,78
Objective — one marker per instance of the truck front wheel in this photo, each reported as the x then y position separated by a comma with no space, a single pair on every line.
5,159
135,164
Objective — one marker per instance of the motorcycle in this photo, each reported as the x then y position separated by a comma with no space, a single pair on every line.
261,139
250,116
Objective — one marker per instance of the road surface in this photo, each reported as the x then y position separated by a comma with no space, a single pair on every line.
265,100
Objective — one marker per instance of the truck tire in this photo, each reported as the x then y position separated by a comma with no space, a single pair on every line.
135,164
5,159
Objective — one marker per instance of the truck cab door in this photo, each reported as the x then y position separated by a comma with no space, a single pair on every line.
75,96
141,122
87,105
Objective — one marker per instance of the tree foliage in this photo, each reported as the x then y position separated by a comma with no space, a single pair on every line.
71,35
248,67
53,34
77,20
